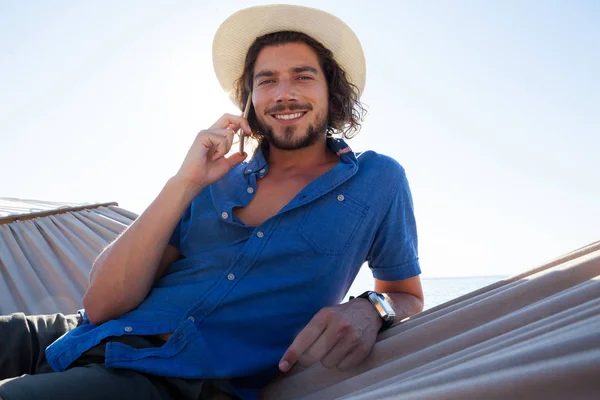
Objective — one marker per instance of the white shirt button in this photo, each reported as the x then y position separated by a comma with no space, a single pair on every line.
248,170
224,215
192,319
262,171
260,234
231,277
250,190
340,197
128,329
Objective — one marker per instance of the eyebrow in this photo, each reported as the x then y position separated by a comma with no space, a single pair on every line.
304,68
296,70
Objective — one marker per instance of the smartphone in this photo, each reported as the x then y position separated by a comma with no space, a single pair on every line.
246,112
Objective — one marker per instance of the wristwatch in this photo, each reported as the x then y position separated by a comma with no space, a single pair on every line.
382,306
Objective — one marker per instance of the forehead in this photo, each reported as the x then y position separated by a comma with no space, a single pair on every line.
283,57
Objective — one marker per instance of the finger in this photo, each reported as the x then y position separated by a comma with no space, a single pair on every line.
228,135
225,132
234,127
303,341
338,352
354,358
229,119
322,346
231,135
217,146
235,159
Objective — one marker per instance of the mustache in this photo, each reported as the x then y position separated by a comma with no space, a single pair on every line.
290,107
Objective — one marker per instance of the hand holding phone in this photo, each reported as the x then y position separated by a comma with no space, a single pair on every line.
206,161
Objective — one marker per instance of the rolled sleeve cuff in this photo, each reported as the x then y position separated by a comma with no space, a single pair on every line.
398,272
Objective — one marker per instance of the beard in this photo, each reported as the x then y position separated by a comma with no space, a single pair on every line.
287,140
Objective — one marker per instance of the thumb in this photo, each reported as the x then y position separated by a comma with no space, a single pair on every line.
235,159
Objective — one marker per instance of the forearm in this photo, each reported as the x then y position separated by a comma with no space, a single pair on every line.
123,274
405,305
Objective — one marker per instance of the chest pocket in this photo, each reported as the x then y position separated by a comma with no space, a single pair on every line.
331,222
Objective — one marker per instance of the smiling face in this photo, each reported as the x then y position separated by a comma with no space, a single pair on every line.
290,96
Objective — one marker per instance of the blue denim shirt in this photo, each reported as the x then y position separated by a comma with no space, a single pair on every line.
240,294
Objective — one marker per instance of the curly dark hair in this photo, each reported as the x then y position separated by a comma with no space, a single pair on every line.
345,110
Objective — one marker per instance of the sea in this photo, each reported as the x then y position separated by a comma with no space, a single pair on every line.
435,290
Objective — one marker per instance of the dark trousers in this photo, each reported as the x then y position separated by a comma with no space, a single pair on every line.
25,373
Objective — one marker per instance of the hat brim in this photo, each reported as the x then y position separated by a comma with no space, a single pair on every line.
237,33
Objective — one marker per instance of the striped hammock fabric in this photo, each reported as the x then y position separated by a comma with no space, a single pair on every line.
535,335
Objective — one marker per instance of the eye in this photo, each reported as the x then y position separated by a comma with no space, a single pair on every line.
305,78
265,82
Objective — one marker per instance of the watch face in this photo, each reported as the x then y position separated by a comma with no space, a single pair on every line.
384,308
388,309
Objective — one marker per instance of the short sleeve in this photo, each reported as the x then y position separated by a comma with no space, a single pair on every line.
394,252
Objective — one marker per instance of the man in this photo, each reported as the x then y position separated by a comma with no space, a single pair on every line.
237,270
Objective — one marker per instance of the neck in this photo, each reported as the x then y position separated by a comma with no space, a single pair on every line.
301,159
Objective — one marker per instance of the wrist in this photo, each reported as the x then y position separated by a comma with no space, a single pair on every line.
189,189
381,306
371,311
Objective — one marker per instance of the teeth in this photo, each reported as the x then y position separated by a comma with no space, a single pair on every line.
289,116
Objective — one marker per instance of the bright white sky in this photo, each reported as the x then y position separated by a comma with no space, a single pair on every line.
493,108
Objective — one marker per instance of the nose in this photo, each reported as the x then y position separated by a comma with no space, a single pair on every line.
286,92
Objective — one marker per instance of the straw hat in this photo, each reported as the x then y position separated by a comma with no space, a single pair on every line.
237,33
